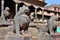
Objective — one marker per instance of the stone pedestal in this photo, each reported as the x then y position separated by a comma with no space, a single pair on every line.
13,36
4,22
4,27
3,31
43,36
27,36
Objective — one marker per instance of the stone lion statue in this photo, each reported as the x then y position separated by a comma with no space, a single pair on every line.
6,13
22,19
52,24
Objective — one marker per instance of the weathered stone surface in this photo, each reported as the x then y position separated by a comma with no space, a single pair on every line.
42,28
22,19
27,36
33,31
2,37
43,36
3,22
3,31
13,36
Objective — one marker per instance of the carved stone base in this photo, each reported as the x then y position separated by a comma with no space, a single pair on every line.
13,36
27,36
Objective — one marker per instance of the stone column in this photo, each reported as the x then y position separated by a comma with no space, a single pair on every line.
2,7
16,7
36,14
57,14
43,15
36,17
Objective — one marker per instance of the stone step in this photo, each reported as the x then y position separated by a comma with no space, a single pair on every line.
13,36
2,37
3,31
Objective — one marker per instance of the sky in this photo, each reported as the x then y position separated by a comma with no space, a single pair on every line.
49,2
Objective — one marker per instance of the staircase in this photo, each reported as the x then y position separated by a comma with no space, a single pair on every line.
5,35
3,28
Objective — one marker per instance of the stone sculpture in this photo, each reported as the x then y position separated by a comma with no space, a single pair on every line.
22,19
21,22
43,35
51,24
6,13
